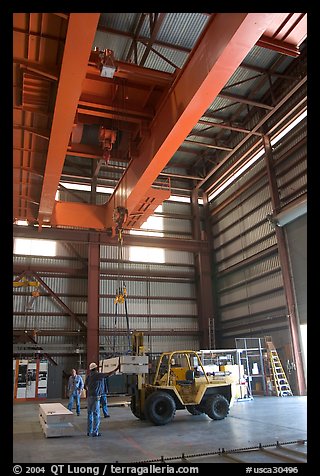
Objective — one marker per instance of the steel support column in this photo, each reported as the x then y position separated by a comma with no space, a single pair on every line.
285,268
202,261
213,272
93,300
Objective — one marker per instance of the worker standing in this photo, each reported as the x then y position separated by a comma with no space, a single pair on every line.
75,387
103,399
94,384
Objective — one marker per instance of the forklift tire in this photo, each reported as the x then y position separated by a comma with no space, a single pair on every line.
194,410
160,408
217,407
134,409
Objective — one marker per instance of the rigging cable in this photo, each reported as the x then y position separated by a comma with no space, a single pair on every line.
120,215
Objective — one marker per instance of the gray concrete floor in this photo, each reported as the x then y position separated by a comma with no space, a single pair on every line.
125,439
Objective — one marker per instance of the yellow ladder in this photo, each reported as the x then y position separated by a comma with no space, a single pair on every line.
278,376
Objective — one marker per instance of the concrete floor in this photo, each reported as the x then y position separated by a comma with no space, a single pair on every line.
125,439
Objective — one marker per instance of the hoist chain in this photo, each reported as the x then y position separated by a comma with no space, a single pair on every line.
120,214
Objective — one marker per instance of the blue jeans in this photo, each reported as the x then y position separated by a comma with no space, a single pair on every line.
74,395
93,409
103,401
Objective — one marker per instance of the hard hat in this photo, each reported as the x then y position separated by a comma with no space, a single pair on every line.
93,366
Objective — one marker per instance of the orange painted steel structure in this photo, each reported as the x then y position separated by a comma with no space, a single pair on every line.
158,109
223,46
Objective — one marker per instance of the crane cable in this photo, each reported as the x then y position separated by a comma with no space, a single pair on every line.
121,289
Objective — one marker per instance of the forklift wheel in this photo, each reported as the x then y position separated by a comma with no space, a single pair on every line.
136,412
217,407
160,408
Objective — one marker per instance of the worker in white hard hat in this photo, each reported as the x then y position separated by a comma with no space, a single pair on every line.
94,384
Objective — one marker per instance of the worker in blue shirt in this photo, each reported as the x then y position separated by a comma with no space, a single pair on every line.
75,387
95,386
103,399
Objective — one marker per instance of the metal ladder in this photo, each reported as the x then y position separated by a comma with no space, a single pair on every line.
278,376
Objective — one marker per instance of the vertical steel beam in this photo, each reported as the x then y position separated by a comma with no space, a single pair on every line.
213,291
202,278
195,222
93,300
95,171
285,268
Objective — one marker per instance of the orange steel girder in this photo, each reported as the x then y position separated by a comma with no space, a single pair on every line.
80,35
225,43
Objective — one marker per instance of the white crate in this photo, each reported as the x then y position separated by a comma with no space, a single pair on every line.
129,364
109,365
55,420
134,364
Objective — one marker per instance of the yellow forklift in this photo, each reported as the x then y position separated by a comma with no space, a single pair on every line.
180,382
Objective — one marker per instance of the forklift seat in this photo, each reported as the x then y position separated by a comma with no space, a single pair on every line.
189,380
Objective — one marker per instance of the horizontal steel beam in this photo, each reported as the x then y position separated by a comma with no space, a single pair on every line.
80,35
64,332
81,236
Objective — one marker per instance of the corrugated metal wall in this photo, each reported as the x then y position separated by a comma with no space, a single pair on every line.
248,279
161,296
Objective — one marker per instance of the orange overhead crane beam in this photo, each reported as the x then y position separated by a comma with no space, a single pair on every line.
80,36
224,44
